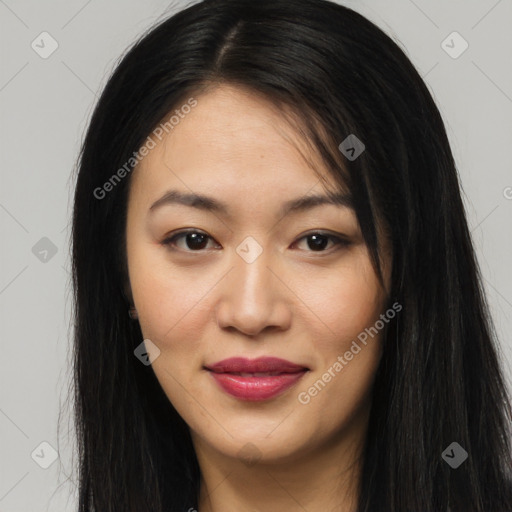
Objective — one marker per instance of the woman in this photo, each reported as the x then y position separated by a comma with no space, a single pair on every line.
268,190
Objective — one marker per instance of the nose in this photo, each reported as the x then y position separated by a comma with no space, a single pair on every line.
252,298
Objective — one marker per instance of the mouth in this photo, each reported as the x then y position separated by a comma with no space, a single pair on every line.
256,380
256,374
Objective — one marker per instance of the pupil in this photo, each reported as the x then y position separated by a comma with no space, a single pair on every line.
196,240
319,242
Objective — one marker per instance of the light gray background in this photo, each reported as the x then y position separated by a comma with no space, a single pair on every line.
45,105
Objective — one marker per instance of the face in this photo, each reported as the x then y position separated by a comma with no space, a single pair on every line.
252,273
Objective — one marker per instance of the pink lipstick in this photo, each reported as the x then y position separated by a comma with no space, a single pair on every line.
257,379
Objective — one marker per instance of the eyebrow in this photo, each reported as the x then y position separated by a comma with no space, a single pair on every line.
210,204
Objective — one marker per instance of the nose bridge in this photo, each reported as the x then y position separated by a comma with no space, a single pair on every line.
254,283
252,298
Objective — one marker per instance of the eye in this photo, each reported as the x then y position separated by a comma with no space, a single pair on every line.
317,241
194,240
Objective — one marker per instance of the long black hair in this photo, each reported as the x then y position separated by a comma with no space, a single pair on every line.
439,380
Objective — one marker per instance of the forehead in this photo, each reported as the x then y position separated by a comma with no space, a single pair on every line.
233,140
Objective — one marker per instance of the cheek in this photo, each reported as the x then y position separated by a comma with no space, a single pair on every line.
348,303
345,303
173,316
174,305
170,310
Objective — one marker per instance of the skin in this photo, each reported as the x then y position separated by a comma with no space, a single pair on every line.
199,306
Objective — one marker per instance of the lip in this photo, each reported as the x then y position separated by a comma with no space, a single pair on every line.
232,376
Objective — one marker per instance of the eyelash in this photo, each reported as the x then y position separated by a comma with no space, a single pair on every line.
339,242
